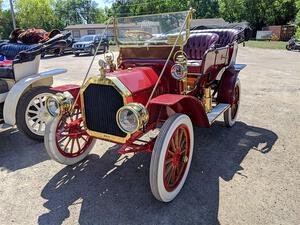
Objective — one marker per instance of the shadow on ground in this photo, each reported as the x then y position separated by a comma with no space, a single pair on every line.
110,194
18,152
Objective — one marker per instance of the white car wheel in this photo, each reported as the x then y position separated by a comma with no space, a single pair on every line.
171,157
231,115
32,115
66,140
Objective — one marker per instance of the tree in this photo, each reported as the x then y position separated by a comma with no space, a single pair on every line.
77,12
6,24
35,13
232,10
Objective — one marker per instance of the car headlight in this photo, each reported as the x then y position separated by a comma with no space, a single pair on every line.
58,104
132,117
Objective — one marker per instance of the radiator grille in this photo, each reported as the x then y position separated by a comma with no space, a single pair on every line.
101,103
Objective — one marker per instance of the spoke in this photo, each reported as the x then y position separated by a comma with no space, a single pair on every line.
36,122
36,106
168,161
84,139
173,145
169,178
67,144
170,152
176,138
32,111
41,101
72,145
78,144
168,169
180,136
61,140
40,126
33,118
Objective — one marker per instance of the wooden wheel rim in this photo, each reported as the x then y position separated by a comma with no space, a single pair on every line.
176,158
235,105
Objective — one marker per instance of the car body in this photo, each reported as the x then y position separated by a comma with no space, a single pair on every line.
168,79
58,51
23,89
89,43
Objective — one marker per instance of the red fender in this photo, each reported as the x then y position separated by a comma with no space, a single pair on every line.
227,84
72,88
185,104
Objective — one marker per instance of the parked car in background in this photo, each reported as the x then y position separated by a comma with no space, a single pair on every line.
61,50
23,89
88,44
293,45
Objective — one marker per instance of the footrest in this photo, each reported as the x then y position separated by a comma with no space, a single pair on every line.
217,111
4,126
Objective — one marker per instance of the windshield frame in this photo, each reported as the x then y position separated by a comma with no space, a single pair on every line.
157,43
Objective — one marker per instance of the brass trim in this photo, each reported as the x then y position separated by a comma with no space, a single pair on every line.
139,111
123,91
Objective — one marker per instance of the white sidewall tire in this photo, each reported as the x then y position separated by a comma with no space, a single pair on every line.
230,122
158,155
51,147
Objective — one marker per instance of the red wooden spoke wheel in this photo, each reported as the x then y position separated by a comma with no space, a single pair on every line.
171,157
71,137
176,158
231,115
66,140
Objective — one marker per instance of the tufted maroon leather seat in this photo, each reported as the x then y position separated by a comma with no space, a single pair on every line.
198,44
226,36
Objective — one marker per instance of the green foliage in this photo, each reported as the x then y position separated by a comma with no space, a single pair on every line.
6,24
35,13
76,12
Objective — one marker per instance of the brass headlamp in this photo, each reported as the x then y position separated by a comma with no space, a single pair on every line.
58,104
132,117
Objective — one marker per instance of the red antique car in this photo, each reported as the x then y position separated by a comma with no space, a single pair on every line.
167,78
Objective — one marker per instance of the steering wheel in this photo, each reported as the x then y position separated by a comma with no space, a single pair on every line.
138,34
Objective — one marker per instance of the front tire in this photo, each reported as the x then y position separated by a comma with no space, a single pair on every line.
231,115
66,140
93,51
32,115
171,157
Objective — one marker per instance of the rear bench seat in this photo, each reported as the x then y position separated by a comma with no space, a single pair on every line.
226,36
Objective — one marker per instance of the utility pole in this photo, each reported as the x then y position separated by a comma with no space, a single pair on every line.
12,13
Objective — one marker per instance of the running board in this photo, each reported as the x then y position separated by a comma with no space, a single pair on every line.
4,126
217,111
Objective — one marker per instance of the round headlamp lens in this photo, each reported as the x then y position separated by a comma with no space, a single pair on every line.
128,120
53,107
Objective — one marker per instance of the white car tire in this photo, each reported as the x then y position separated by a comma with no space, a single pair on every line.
174,143
231,115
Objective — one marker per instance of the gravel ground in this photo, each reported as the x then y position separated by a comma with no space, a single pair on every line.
245,175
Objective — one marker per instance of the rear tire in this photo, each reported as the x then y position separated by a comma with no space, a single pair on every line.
93,51
32,115
171,157
231,115
76,54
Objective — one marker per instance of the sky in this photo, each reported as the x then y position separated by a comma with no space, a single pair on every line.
101,3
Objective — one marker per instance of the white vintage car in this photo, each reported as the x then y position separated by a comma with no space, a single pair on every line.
23,91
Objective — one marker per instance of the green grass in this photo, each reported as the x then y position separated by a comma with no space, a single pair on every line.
266,44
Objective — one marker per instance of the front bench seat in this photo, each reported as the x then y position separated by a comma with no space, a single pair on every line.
198,44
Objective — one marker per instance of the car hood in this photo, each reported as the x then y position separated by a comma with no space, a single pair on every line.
83,43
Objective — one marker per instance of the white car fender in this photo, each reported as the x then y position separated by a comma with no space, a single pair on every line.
15,93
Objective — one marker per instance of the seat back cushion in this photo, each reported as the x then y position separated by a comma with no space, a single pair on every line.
198,44
226,36
11,50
